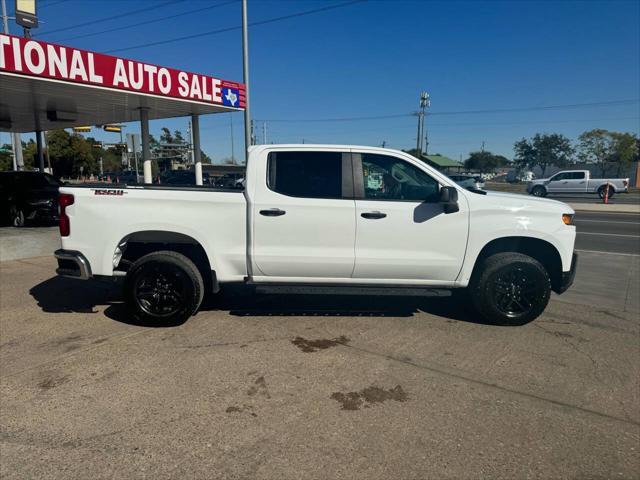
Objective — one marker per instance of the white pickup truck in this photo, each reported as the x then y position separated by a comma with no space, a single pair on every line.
577,181
320,219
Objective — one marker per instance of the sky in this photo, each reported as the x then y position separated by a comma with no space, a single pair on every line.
310,74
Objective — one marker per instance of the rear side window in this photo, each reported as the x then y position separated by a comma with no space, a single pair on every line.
306,174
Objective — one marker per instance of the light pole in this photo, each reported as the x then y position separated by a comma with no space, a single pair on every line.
248,133
16,141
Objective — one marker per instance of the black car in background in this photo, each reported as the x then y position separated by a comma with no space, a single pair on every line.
182,177
28,197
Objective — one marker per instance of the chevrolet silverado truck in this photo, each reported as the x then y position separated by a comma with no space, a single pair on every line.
577,181
320,219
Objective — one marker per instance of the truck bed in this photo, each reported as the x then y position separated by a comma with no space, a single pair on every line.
215,218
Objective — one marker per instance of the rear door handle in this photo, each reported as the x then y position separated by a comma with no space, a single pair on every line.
373,215
272,212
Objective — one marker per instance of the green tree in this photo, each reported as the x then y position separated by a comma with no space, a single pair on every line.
605,148
485,161
626,149
165,135
543,150
596,146
6,157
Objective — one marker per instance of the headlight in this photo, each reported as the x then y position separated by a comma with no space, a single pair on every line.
567,218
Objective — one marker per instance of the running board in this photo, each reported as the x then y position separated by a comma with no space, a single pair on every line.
350,290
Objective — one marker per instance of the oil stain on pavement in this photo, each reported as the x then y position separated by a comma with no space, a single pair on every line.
368,396
310,346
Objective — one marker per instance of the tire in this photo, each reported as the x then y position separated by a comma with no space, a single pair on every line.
539,191
163,288
603,188
510,289
17,216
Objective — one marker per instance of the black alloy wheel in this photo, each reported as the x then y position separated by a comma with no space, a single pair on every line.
160,289
510,288
163,288
515,290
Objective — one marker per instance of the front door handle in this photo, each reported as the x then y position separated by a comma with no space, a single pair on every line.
272,212
373,215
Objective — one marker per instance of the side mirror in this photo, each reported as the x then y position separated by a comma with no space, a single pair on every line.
449,199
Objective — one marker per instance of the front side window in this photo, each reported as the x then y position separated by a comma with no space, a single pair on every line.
390,178
306,174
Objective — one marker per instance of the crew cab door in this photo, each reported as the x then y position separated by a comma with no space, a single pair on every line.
567,182
402,231
304,215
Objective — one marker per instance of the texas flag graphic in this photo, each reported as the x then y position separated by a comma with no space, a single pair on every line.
230,97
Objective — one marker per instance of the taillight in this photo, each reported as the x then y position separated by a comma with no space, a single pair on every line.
64,200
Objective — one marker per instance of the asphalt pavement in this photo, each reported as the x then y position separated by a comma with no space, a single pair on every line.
608,232
318,387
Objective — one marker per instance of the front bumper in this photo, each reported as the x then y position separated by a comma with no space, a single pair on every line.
568,277
72,264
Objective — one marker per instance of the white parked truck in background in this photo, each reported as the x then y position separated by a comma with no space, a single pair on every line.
577,181
318,218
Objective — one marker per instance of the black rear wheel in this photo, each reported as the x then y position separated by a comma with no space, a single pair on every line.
163,288
510,289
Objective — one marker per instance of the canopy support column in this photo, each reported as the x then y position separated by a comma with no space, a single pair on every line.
197,158
39,150
146,151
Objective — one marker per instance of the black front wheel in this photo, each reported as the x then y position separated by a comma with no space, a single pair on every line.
510,289
163,288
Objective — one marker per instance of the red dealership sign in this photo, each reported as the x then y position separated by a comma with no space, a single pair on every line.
22,56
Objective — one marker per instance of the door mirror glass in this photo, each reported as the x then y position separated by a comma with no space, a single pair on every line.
449,199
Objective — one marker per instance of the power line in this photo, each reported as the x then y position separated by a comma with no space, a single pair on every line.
548,107
46,5
105,19
134,25
498,110
238,27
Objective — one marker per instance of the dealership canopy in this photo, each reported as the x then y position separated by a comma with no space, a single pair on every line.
45,86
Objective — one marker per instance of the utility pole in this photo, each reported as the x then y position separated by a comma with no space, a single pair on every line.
248,127
233,156
426,142
264,133
424,103
191,150
384,144
482,148
16,141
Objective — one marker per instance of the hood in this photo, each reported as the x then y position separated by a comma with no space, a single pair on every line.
518,200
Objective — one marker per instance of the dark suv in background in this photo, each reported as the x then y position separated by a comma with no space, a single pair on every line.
28,197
